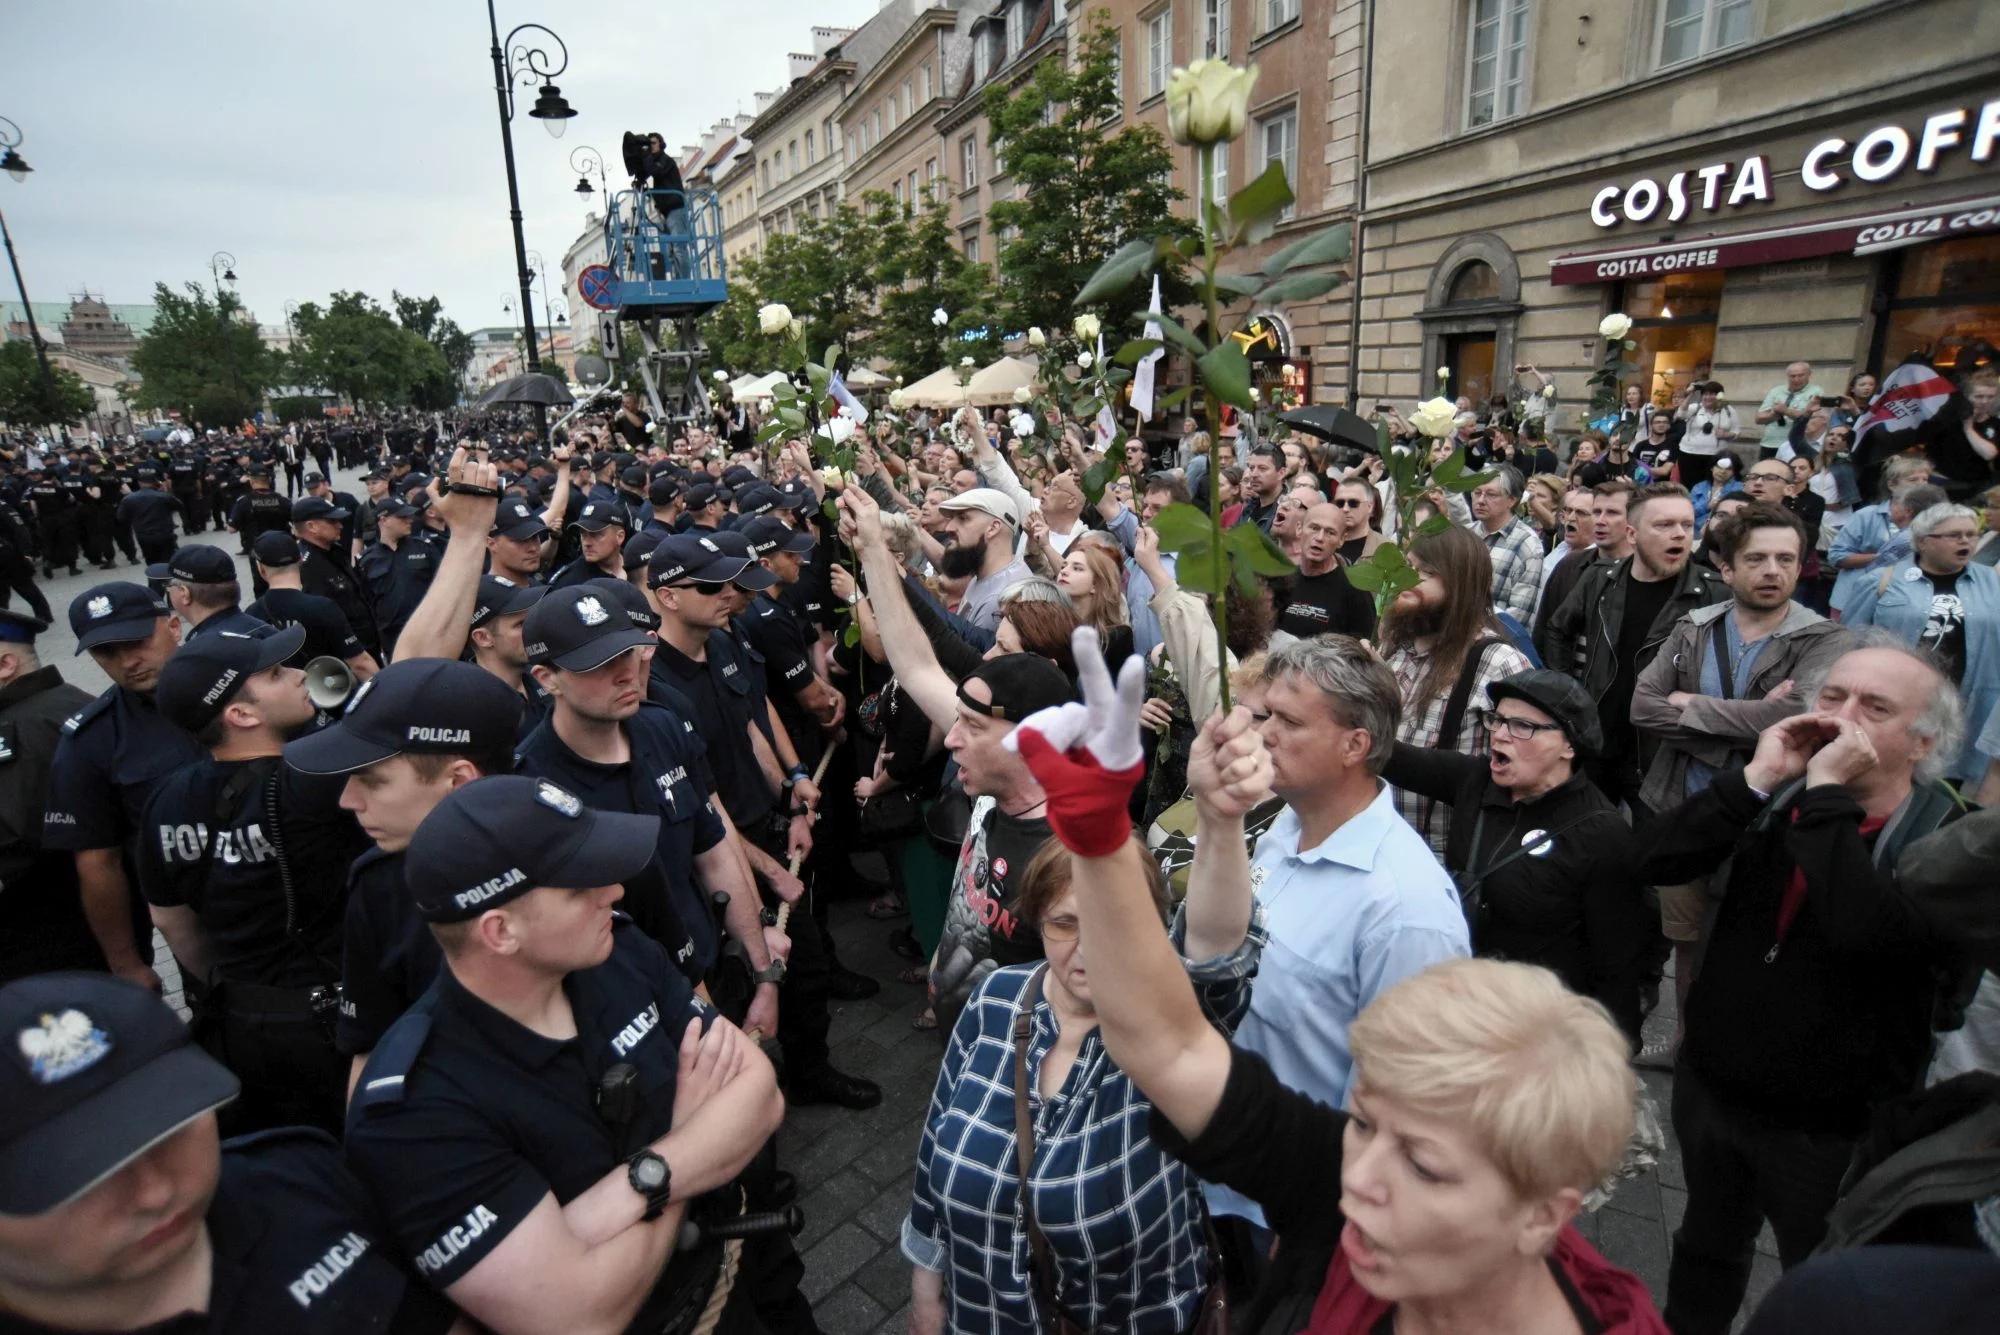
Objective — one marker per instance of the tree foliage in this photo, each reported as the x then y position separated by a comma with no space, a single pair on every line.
356,350
28,398
825,273
425,317
920,272
1081,191
202,358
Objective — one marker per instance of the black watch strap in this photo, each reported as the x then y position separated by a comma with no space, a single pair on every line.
649,1175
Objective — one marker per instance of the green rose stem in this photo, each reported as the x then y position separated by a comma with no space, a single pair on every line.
1219,606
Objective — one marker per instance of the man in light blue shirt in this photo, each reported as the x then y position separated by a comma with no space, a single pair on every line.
1354,900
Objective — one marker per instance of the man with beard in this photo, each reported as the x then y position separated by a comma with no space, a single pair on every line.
982,525
1727,672
1263,485
1624,610
244,861
1321,598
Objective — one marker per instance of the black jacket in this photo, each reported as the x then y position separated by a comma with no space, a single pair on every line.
1570,905
1808,1031
1595,610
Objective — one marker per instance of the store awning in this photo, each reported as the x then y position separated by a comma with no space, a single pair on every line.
1863,235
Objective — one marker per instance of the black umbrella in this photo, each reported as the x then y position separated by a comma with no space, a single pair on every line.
533,387
1333,424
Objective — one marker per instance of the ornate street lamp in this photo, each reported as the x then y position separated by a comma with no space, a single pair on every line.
17,167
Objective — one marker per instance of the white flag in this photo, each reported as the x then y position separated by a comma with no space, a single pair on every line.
1107,422
1142,374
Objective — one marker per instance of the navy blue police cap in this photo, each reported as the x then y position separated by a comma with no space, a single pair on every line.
436,706
115,612
579,628
205,674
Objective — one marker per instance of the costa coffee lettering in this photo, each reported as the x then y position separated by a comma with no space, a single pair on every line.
1879,155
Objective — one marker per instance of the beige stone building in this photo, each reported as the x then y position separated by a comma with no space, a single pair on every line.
1000,43
1752,181
798,156
886,124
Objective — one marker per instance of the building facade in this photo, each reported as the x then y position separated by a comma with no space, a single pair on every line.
798,155
885,123
1754,182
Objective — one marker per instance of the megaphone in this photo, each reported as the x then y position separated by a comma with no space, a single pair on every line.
329,682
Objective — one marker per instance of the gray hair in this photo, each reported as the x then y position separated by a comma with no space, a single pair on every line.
1359,687
1510,478
1935,516
1034,589
1917,497
1943,718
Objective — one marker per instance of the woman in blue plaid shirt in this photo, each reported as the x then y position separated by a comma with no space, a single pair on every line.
1124,1221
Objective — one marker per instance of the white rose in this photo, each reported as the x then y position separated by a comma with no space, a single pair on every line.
721,376
1208,101
1023,394
1022,424
1084,359
796,327
1444,374
1435,418
1086,327
1254,395
939,318
1036,338
840,430
774,318
830,475
966,361
896,399
1615,327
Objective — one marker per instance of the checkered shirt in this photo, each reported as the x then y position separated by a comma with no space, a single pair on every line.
1433,819
1517,569
1122,1218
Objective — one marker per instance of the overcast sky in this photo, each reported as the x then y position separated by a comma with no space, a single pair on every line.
352,145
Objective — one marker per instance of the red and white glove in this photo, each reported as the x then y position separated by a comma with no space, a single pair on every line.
1088,757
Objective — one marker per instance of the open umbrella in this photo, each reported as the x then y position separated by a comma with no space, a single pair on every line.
862,378
534,387
1334,424
995,385
939,389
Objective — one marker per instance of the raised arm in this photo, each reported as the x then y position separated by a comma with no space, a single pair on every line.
1229,772
910,656
441,623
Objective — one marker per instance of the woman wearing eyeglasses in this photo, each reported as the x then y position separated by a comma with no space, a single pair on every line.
1542,859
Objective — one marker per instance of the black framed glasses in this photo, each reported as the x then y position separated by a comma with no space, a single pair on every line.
1520,729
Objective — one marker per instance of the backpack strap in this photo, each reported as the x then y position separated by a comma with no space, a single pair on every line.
1461,694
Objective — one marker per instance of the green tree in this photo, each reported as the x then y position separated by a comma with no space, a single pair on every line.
920,271
425,317
356,350
28,398
1080,191
202,358
825,274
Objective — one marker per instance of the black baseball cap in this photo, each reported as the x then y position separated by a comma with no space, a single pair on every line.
197,564
275,548
499,596
314,479
1560,696
103,1071
756,499
1020,684
517,520
598,516
634,478
692,558
577,629
705,493
438,706
768,534
662,492
797,497
497,838
315,507
737,475
630,597
753,577
391,508
204,675
640,546
115,612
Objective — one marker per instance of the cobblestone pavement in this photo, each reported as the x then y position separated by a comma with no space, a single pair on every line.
854,1169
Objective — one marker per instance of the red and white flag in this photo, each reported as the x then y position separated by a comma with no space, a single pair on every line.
1910,396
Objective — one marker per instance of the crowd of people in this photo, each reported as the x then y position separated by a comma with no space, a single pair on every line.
495,836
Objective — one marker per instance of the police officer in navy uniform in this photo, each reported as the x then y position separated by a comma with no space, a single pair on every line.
607,742
150,512
535,1128
54,507
184,481
114,753
202,588
412,734
119,1210
244,863
326,567
397,567
515,544
601,528
285,603
495,641
254,509
42,927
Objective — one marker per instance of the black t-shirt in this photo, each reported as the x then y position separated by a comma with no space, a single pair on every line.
1644,600
1943,636
726,693
1322,603
326,626
388,956
1354,549
982,927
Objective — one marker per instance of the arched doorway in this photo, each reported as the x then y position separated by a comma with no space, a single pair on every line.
1472,309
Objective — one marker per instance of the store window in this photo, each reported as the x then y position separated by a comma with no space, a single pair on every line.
1673,322
1946,303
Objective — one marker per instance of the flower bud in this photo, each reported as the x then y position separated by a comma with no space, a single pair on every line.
1208,102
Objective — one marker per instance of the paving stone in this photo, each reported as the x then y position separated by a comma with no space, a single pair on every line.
836,1258
848,1310
1637,1196
886,1278
884,1215
832,1204
1639,1245
898,1322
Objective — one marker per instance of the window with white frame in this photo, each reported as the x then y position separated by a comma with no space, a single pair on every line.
1215,29
794,149
896,191
875,127
1692,28
911,195
909,99
1278,137
1218,192
826,135
889,113
1496,56
1159,51
930,170
972,247
968,161
1017,25
812,155
1277,13
924,84
981,57
1118,69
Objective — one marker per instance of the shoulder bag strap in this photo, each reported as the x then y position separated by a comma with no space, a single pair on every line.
1725,671
1042,1271
1461,695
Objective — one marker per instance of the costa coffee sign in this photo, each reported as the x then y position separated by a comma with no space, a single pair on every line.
1875,158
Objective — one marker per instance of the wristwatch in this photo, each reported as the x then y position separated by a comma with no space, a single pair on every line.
774,972
650,1177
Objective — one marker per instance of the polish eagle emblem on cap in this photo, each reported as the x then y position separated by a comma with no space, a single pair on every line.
556,799
98,607
591,612
62,1045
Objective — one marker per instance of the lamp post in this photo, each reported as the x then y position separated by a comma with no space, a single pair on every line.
524,63
586,161
17,167
222,267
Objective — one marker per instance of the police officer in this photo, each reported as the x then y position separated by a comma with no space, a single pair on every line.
114,752
411,735
202,589
317,485
601,529
17,560
806,702
245,866
285,603
497,645
41,915
120,1211
398,567
538,1124
257,511
184,481
618,751
326,567
97,510
151,512
515,545
55,521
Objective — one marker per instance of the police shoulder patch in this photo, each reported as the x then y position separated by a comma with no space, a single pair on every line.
94,709
384,1078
